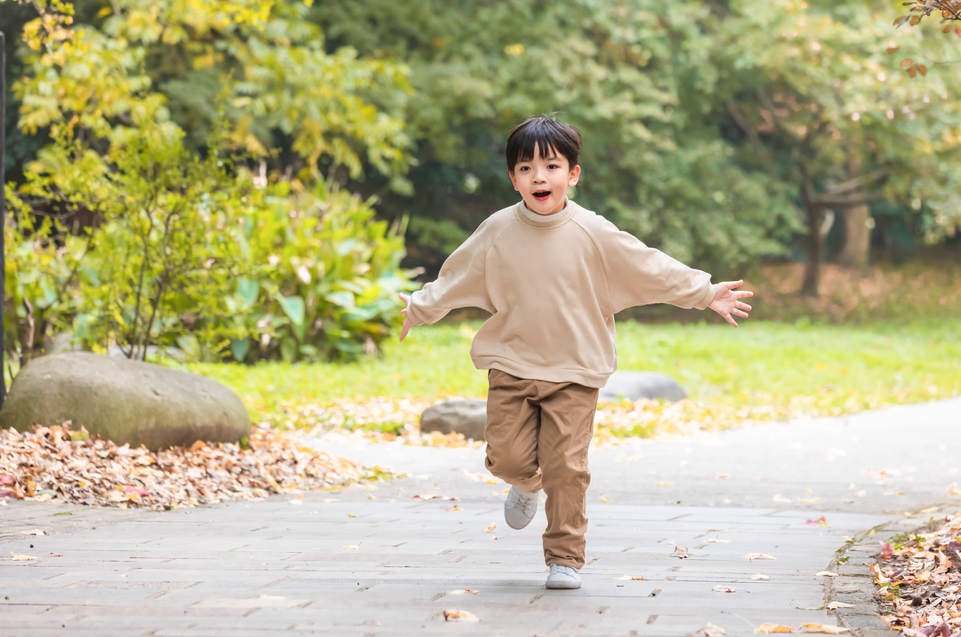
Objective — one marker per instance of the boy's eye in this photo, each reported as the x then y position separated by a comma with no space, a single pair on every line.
553,166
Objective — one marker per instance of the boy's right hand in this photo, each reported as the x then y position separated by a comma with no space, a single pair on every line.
407,322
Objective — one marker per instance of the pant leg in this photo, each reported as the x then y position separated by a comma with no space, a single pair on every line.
513,420
567,426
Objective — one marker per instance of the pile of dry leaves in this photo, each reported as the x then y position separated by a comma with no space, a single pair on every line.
390,419
54,463
920,578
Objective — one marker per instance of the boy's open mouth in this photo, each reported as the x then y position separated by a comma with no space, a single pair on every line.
542,195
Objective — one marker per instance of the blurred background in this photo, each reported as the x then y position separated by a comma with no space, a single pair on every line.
243,187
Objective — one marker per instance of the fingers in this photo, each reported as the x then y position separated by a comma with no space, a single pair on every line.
403,332
727,317
742,306
730,285
739,313
741,295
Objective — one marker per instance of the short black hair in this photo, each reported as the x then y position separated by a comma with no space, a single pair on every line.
547,132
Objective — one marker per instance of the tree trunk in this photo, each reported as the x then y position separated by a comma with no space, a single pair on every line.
812,269
857,228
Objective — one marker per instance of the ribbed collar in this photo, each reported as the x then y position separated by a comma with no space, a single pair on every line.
535,220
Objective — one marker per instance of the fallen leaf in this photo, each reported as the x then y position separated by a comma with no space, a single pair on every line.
330,500
774,628
630,578
708,630
824,628
716,541
349,547
453,507
453,498
820,521
491,527
887,551
809,500
760,577
351,515
56,555
826,574
780,498
681,552
461,592
665,484
723,589
758,556
953,489
847,539
460,616
295,502
34,532
834,605
605,500
21,558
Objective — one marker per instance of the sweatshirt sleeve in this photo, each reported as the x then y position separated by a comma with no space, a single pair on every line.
639,275
462,282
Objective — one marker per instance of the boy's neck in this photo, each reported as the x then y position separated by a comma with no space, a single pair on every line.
551,213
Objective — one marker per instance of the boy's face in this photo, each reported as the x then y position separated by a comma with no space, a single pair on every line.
543,181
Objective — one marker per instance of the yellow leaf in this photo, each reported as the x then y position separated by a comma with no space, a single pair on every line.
460,616
774,628
21,558
823,628
349,547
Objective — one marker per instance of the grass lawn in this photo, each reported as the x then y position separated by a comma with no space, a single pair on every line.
784,369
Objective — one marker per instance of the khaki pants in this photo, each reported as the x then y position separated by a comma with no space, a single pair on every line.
538,434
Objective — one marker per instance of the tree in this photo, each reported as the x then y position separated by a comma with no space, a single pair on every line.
635,76
813,90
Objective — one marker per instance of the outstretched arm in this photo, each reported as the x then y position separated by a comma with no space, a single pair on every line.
407,322
726,301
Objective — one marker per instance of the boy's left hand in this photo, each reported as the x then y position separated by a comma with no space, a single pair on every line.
726,301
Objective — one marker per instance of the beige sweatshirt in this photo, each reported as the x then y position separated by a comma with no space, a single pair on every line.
553,284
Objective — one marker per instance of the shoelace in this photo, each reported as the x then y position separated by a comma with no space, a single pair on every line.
527,503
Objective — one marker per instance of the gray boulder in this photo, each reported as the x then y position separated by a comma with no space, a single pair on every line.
634,385
461,415
124,401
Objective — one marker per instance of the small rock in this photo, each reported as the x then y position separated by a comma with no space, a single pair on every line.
634,385
460,415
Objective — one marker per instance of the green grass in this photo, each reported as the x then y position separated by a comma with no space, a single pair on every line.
802,368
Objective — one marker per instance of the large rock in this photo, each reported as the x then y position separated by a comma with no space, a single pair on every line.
634,385
461,415
124,401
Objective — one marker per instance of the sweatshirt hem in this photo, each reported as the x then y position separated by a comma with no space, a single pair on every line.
552,375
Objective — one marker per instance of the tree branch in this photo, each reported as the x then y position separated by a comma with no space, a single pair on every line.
857,182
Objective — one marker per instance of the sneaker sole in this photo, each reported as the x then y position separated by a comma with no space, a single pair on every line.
517,528
563,585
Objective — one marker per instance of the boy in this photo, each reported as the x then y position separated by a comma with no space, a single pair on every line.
553,275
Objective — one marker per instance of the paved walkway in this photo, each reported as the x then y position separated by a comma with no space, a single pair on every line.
277,568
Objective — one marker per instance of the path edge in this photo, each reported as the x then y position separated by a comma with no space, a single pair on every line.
855,581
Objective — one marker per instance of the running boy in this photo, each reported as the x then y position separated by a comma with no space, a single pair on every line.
553,275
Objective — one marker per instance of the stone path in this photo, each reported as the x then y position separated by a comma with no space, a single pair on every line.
280,568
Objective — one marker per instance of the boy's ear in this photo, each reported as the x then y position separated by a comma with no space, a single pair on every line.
513,181
575,175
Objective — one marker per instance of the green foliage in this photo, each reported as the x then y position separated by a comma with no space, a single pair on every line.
167,247
39,278
325,282
636,77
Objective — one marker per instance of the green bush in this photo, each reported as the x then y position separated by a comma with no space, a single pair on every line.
197,254
324,281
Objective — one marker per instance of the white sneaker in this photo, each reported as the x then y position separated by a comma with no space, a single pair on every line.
519,508
563,577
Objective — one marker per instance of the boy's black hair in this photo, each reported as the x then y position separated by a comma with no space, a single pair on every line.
548,133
